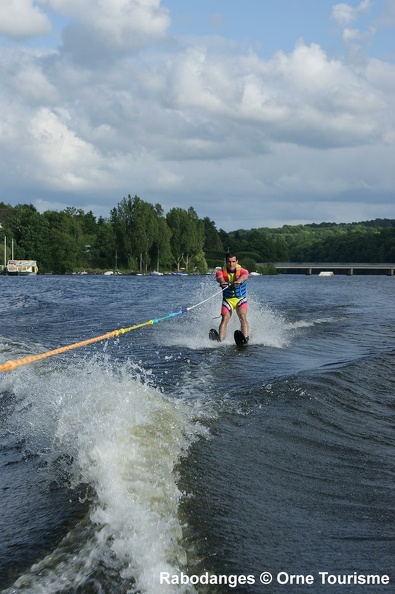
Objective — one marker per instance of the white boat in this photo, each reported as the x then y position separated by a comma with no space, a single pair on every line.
156,273
326,273
21,268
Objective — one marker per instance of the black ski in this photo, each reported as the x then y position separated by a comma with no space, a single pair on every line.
213,335
240,339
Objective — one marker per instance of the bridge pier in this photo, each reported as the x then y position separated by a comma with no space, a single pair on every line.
350,272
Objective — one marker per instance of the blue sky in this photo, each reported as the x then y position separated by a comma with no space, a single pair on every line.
250,21
255,113
271,26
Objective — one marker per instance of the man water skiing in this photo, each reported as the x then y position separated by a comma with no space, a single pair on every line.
232,279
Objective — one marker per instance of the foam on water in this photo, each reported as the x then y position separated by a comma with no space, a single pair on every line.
125,440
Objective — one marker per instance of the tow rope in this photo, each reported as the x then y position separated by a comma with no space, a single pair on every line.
11,365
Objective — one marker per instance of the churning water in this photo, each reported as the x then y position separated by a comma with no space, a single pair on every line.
159,455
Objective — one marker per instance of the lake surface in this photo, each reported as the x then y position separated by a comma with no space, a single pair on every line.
160,454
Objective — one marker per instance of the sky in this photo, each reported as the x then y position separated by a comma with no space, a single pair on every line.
255,113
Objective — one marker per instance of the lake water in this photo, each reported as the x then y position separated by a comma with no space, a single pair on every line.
161,456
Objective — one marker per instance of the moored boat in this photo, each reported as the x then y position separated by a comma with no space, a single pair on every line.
21,268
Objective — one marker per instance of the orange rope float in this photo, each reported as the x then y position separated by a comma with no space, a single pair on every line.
11,365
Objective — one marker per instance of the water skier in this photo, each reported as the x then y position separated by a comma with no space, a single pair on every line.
232,279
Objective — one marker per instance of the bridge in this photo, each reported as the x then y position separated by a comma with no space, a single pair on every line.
347,268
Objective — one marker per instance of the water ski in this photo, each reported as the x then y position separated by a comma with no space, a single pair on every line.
240,339
213,335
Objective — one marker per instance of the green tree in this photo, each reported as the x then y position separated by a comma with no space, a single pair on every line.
187,239
248,263
103,251
120,218
144,230
161,246
28,231
63,252
62,245
212,239
135,224
199,263
177,220
196,236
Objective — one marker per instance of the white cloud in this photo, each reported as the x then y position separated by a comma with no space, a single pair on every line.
197,122
20,19
102,28
301,97
355,40
60,156
29,83
344,14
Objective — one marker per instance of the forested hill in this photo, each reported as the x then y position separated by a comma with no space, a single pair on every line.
139,236
366,241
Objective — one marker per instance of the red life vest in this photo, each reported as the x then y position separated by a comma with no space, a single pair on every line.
237,273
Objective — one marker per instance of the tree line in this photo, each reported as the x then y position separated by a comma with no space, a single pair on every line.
363,242
138,236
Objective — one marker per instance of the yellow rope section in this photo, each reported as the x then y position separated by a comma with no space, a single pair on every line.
10,365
